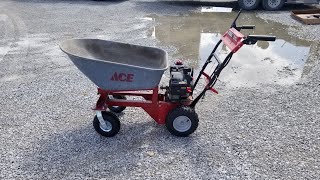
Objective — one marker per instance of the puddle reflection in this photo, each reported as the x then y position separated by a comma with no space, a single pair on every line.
264,63
195,35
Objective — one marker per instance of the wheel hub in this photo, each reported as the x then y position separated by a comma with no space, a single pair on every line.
107,126
249,2
182,123
274,3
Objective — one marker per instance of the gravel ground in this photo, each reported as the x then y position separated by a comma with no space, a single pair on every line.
270,132
297,29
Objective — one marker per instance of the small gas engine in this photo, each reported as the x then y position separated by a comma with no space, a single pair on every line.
181,82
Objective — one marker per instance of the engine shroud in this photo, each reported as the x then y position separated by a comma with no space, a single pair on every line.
180,84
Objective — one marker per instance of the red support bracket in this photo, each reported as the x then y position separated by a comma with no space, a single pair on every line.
208,80
101,103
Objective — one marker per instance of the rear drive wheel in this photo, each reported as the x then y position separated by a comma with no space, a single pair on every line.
249,4
272,5
111,126
117,109
182,121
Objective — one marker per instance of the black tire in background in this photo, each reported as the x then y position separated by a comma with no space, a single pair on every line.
182,121
112,121
272,5
249,4
117,109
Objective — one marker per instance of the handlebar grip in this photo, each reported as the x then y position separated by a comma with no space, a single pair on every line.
248,27
261,37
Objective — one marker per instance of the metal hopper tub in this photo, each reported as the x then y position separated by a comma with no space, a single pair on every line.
117,66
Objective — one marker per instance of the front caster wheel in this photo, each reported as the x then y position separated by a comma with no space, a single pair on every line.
111,125
182,121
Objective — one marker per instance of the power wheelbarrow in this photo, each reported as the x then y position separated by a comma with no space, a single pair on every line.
121,70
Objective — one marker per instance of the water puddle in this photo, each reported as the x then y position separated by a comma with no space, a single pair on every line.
195,34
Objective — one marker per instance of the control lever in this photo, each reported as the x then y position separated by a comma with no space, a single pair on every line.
247,27
252,39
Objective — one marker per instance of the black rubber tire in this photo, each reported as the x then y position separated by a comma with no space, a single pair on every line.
182,111
117,109
112,119
267,7
254,5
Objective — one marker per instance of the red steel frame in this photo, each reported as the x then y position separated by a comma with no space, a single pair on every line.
154,103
